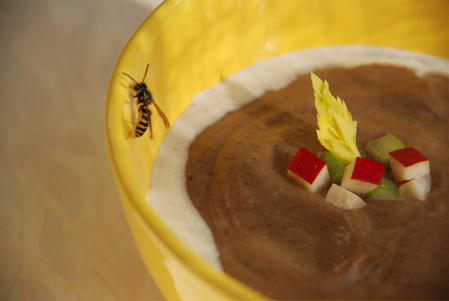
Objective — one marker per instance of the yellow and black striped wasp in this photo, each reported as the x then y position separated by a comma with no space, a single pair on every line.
144,99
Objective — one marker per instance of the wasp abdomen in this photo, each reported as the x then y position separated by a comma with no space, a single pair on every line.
142,122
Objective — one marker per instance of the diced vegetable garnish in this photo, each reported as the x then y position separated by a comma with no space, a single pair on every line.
362,175
344,199
308,169
408,163
418,188
335,166
381,147
351,175
387,189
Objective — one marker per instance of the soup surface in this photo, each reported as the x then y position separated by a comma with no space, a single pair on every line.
264,229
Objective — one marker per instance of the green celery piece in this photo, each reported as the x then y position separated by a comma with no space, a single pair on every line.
387,189
380,147
335,166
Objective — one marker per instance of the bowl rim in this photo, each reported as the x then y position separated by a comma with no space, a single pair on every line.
131,192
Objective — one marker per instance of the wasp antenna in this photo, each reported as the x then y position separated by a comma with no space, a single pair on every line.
129,77
146,70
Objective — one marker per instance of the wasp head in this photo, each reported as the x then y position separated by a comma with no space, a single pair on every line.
139,87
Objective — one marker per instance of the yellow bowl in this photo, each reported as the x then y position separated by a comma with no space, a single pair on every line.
190,46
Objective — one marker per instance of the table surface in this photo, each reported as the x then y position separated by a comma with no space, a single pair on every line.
64,234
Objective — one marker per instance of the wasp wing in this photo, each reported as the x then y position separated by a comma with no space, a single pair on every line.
164,118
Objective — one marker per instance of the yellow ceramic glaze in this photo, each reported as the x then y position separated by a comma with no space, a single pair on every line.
191,45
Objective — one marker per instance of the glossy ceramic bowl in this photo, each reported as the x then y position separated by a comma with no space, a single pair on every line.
190,46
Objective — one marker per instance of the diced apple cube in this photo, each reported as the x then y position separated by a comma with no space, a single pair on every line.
362,175
418,187
408,163
309,170
344,199
381,147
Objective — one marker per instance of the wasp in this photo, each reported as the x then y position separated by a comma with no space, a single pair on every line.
144,99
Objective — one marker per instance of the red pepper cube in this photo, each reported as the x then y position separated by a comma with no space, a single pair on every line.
309,170
362,175
408,163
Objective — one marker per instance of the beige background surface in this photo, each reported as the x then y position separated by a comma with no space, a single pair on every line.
63,232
